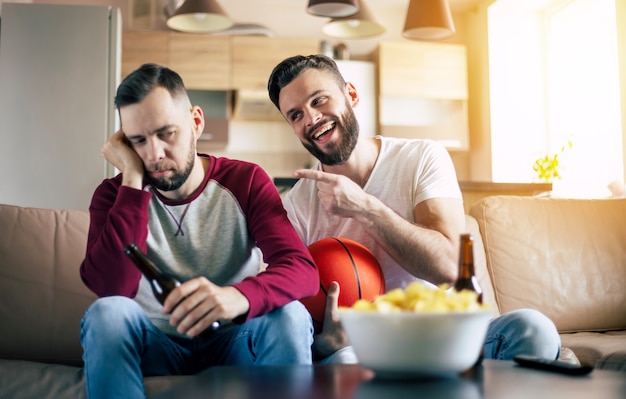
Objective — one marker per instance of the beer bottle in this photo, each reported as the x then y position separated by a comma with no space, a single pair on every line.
162,283
467,279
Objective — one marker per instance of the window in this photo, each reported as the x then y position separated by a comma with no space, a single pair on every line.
554,79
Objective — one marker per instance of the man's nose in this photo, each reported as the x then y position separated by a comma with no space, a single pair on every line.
156,152
312,116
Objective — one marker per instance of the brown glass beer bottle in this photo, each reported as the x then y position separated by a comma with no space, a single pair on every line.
162,283
467,279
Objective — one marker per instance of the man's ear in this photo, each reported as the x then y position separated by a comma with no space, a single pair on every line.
198,120
352,94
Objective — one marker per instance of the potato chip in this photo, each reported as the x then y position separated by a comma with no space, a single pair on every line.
418,297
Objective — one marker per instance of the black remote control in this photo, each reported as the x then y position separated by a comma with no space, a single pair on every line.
551,365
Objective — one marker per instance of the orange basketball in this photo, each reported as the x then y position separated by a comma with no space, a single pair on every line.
350,264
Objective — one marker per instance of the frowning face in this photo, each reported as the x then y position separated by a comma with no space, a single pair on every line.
162,132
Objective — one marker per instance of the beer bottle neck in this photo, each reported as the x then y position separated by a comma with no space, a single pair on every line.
466,258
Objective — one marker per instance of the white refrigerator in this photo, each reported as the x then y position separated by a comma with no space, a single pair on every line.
59,69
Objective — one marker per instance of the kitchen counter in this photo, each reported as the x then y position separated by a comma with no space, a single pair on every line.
472,190
504,187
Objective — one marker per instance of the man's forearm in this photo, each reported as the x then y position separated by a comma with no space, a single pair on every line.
425,253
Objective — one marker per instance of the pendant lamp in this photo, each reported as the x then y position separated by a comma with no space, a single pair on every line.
333,8
199,16
360,25
428,20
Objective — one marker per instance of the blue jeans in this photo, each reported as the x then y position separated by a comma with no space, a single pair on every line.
121,346
522,331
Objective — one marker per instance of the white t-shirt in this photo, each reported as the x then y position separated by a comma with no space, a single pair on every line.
406,173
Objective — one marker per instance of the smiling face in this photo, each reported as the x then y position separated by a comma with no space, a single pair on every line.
163,132
320,113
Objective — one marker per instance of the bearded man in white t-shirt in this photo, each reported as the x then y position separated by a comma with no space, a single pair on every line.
398,197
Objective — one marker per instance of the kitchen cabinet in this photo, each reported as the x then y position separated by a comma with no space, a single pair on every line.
203,61
255,57
139,47
423,70
423,92
216,116
213,62
240,65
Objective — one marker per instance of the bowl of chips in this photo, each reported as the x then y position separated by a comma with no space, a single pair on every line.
419,331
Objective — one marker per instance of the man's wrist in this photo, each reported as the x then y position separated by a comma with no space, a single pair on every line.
132,179
373,211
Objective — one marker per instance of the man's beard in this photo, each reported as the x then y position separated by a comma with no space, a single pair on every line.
338,154
178,179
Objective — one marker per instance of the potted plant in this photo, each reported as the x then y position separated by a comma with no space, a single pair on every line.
548,166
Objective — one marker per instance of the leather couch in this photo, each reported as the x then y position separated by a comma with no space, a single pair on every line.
42,300
566,258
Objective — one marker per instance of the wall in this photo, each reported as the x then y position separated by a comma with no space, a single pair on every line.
620,8
476,39
123,5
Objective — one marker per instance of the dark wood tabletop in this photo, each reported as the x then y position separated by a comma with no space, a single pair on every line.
493,379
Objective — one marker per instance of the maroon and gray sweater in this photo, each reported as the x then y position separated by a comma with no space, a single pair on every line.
221,232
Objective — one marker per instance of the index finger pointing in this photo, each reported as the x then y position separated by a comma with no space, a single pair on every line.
313,174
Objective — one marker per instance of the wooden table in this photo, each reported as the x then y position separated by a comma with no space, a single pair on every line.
493,379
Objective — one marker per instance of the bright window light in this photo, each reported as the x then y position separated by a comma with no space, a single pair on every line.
554,78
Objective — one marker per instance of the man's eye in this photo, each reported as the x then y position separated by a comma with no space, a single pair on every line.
166,135
295,116
135,142
319,100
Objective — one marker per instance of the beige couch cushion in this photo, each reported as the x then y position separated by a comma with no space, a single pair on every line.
42,296
591,347
564,257
29,380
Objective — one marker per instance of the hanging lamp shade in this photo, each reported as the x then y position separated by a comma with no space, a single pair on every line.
333,8
360,25
199,16
428,20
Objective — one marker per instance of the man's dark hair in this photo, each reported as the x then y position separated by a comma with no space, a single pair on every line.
139,83
292,67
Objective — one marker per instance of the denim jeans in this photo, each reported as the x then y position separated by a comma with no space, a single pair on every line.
121,346
522,331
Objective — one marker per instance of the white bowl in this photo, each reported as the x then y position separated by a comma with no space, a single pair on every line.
411,344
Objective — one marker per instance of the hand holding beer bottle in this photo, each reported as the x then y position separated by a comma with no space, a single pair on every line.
161,283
